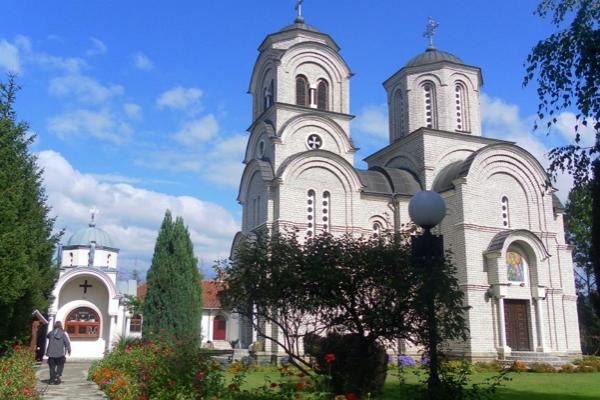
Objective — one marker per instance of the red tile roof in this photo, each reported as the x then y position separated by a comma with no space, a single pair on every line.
210,290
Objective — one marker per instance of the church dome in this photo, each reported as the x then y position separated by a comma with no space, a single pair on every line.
85,236
432,56
299,24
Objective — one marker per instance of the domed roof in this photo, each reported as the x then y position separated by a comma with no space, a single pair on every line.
431,56
85,236
299,24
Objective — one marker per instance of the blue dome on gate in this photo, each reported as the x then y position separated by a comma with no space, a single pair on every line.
85,236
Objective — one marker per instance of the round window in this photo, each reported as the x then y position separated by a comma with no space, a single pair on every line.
314,141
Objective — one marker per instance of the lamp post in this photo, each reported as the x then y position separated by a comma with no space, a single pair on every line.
427,209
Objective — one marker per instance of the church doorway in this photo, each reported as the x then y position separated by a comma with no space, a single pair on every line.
219,328
517,325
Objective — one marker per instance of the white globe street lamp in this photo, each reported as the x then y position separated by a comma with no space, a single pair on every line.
427,209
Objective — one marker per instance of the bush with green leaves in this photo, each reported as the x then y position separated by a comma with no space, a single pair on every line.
355,364
365,286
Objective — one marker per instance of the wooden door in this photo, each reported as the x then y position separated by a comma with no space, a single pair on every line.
517,325
219,328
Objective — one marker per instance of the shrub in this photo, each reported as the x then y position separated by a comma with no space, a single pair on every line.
355,365
492,366
541,367
157,369
519,366
17,377
591,362
568,368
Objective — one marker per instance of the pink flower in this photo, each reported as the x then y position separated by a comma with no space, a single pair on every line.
329,358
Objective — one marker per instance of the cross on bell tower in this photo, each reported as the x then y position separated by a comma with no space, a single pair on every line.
298,7
430,30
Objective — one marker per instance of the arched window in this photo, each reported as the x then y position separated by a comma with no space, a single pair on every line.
429,104
505,215
268,95
377,228
260,151
399,120
461,108
135,323
302,96
323,95
310,213
83,323
326,211
516,266
219,328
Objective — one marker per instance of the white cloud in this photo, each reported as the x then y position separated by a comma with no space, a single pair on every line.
70,65
373,120
197,131
501,120
225,167
141,61
565,124
131,215
133,111
83,88
9,57
98,47
99,124
180,98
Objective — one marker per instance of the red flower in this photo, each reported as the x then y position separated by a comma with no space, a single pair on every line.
300,375
17,347
232,386
351,396
329,358
273,384
26,391
200,376
171,382
145,377
300,385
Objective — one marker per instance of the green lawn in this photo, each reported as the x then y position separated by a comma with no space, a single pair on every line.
523,386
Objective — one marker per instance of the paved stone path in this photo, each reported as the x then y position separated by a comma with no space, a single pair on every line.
74,384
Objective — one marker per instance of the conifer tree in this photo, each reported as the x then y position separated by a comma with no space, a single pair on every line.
27,273
172,306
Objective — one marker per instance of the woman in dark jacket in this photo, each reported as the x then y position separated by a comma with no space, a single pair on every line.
58,344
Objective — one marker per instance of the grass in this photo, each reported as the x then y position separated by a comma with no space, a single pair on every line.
522,386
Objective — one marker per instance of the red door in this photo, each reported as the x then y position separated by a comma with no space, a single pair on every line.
517,325
219,328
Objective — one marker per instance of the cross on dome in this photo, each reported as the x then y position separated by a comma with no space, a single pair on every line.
430,30
93,212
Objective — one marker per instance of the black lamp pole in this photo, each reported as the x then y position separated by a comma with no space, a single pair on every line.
428,252
427,209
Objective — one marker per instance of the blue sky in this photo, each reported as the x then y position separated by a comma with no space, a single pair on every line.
142,106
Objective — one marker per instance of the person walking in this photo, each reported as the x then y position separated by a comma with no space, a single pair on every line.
58,346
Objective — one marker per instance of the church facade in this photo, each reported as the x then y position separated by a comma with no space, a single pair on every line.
88,298
504,224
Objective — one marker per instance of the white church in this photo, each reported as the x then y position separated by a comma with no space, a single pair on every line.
503,223
88,299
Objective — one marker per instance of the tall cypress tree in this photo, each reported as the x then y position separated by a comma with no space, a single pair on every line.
172,306
27,273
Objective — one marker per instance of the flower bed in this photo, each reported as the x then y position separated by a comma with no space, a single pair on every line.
166,370
17,376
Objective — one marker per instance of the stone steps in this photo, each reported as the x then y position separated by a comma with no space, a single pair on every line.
534,357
